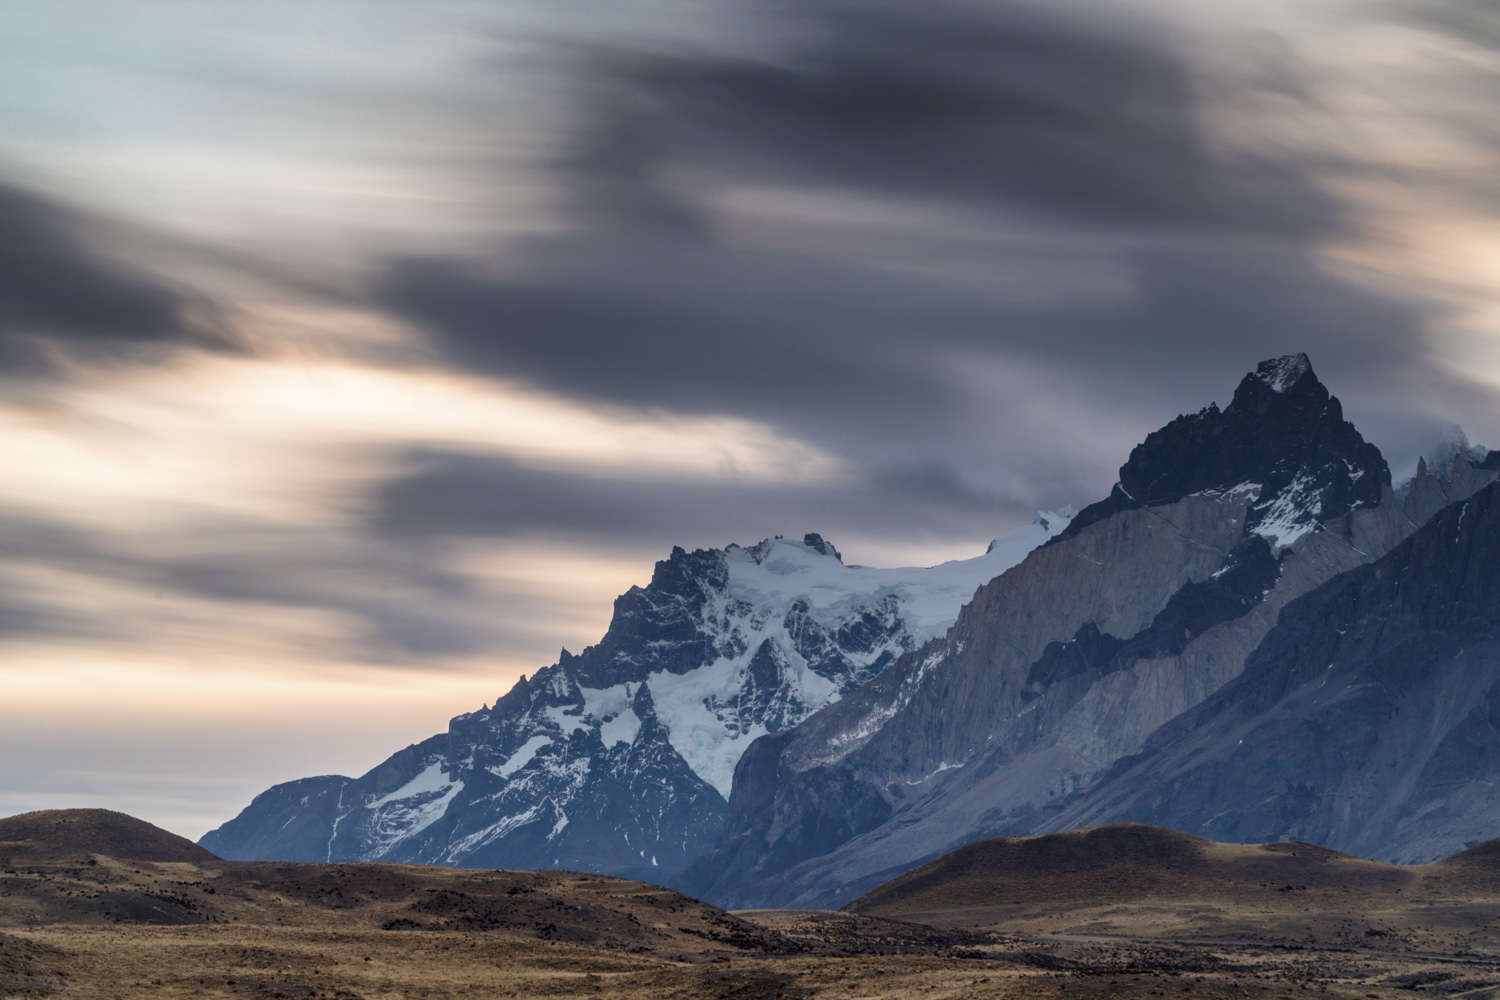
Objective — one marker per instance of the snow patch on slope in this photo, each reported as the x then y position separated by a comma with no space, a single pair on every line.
692,707
1290,514
623,728
413,807
521,757
430,779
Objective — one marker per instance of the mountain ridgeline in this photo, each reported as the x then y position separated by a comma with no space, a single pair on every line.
618,759
1146,605
1244,640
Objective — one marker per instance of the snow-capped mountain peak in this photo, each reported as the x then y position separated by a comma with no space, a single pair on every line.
1148,602
779,573
618,758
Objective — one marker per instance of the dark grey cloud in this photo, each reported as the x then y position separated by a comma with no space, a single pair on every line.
404,602
458,494
58,291
670,325
863,361
1068,112
1210,311
1476,22
1042,126
939,486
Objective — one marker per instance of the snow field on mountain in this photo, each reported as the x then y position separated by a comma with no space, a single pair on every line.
693,705
930,596
699,708
608,708
1291,514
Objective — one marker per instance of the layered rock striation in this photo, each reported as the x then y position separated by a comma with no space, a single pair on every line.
1367,721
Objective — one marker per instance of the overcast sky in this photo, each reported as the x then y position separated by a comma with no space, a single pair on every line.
355,355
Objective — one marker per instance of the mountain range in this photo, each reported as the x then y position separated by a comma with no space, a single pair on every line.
1254,636
619,759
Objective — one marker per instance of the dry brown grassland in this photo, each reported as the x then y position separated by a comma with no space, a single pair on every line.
86,925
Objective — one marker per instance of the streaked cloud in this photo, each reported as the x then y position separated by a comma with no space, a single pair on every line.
59,295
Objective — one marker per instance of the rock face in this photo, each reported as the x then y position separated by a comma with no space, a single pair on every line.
1368,720
618,759
1148,603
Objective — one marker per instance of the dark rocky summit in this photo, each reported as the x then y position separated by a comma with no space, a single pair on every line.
1283,437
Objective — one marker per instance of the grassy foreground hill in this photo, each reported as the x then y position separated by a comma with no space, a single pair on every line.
98,904
53,833
1145,886
1022,880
